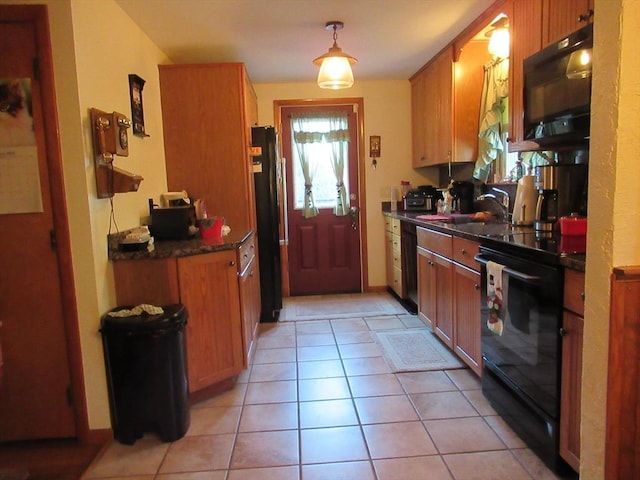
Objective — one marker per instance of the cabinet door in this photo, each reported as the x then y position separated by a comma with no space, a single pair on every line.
389,257
419,119
526,39
250,300
443,121
426,287
209,291
563,18
570,397
466,303
444,326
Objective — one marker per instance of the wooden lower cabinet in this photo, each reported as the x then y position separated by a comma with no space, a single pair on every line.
466,304
571,387
449,293
209,291
250,294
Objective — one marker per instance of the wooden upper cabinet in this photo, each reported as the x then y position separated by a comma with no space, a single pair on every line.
207,113
565,17
525,27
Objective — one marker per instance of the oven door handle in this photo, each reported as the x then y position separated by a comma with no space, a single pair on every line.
512,273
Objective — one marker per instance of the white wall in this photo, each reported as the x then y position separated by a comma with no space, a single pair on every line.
387,112
614,204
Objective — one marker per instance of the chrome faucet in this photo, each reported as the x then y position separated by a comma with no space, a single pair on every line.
502,202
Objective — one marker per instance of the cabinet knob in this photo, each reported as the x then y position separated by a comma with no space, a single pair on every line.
584,17
476,286
562,332
463,251
582,296
245,255
232,263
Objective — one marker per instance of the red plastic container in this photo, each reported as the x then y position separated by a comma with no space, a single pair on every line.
573,225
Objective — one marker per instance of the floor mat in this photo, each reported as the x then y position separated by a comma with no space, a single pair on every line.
322,307
416,350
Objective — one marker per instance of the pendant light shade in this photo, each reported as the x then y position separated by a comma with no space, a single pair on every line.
499,42
335,65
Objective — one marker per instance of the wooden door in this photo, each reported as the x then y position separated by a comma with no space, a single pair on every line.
324,251
426,287
444,327
466,304
36,383
209,290
571,389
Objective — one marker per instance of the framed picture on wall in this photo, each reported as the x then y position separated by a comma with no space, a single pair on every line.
136,84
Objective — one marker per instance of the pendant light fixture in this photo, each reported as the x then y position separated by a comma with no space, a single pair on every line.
499,42
335,65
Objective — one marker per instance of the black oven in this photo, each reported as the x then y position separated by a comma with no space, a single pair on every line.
521,375
557,91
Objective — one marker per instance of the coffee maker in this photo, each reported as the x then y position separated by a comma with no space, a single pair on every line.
561,191
462,193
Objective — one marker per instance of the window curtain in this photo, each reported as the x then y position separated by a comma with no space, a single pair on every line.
490,127
331,128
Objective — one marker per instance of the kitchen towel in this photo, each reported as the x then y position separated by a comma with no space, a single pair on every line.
496,301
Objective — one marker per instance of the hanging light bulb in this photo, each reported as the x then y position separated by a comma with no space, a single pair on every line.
335,65
499,38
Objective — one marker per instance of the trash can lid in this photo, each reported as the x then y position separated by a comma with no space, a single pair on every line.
173,316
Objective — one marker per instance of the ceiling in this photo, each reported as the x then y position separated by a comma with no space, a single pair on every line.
278,39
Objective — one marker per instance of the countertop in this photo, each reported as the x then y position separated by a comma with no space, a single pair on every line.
493,233
177,248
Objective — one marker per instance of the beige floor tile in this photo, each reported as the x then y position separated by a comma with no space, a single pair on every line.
144,457
265,449
320,369
426,382
194,454
315,339
350,325
464,379
412,468
479,402
360,350
375,385
463,435
330,445
437,405
411,321
323,389
270,329
276,341
322,352
385,323
327,413
267,473
365,366
270,372
271,392
404,439
395,408
486,466
354,337
315,326
339,471
211,475
508,436
532,464
269,416
231,397
243,376
274,355
214,420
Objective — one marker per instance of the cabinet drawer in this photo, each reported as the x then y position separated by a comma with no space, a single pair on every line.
574,291
437,242
463,252
397,251
246,252
392,225
397,281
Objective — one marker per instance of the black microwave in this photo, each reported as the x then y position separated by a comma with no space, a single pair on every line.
557,91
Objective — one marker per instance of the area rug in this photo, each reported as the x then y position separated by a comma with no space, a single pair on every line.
322,307
416,350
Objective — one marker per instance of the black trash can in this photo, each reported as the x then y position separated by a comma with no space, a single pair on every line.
146,373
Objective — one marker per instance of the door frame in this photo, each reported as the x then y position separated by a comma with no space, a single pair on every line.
358,103
39,16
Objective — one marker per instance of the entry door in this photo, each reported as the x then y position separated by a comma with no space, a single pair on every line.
324,251
35,385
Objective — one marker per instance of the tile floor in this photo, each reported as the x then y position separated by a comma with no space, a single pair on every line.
319,402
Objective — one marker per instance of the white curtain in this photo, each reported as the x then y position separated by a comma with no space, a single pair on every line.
330,128
490,128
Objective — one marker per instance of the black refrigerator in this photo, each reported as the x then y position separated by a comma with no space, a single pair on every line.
265,175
